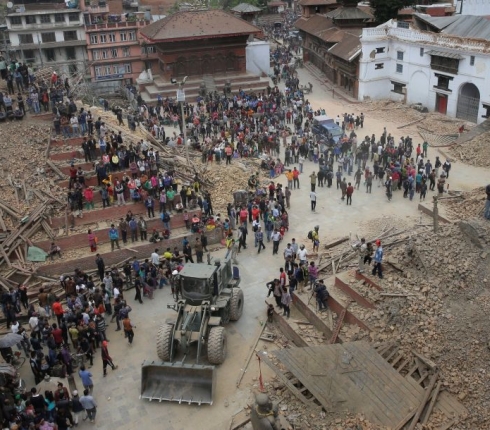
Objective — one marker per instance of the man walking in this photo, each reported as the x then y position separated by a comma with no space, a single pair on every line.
106,360
259,238
89,404
128,329
276,237
349,191
100,266
313,181
313,200
378,259
86,378
361,249
114,237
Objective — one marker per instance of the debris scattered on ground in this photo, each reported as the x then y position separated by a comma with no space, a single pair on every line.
473,152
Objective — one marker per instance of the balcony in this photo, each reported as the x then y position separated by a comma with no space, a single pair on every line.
112,25
97,9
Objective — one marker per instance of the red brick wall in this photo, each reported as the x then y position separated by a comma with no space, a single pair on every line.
111,258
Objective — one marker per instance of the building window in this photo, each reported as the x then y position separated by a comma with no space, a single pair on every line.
108,70
472,60
379,66
147,49
397,87
45,19
70,53
30,19
25,38
126,51
103,38
127,67
421,52
123,36
112,37
98,70
74,16
50,54
443,82
48,37
105,54
15,20
95,54
380,50
132,35
399,68
399,55
70,35
29,56
59,17
402,24
114,52
444,64
94,40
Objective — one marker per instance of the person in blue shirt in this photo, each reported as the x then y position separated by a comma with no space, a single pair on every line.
378,259
114,237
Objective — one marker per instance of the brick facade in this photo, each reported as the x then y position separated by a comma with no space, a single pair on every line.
112,258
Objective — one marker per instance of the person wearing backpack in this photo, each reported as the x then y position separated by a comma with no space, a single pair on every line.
321,294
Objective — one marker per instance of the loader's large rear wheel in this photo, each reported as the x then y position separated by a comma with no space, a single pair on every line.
236,304
164,342
217,345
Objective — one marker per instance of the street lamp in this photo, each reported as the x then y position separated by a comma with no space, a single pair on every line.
181,99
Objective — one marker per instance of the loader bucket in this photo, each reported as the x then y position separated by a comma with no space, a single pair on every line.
177,382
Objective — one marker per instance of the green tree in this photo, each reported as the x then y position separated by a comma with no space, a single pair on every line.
384,10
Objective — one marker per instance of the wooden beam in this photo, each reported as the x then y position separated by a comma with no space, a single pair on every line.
5,256
425,360
11,212
55,169
336,332
334,243
250,355
432,403
2,222
427,395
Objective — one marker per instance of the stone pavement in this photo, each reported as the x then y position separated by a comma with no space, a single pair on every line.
117,394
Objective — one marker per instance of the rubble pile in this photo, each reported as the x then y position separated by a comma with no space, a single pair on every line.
467,205
442,313
411,120
473,152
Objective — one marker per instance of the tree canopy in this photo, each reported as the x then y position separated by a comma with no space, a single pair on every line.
384,10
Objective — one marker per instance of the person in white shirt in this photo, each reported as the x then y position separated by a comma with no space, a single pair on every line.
302,254
116,293
155,258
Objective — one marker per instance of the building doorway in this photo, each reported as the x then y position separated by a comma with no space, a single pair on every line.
468,103
441,103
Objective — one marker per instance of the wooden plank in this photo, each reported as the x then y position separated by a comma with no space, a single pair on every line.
425,360
334,243
239,420
432,403
376,382
250,355
427,395
288,383
55,169
11,212
338,326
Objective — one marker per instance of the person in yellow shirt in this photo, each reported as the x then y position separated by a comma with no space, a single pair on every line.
289,175
168,254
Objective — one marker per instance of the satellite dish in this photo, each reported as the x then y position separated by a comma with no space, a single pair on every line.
10,5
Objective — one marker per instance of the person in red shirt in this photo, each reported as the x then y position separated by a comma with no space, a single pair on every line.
57,335
255,213
58,310
295,178
243,215
349,192
73,176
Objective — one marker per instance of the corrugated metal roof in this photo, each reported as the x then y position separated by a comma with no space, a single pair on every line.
474,27
445,54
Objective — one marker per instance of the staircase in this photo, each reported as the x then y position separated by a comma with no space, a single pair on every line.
216,82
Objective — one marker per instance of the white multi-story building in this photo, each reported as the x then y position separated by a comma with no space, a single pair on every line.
48,34
445,67
472,7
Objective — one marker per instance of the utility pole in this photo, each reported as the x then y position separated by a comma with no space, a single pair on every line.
181,99
435,214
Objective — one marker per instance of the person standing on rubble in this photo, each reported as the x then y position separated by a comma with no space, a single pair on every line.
378,259
487,204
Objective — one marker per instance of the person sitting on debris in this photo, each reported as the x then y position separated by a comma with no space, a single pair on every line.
54,250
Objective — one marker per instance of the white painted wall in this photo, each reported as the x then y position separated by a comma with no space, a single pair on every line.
473,7
258,57
417,75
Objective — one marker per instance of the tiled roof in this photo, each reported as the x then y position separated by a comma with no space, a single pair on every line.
349,13
190,25
347,43
246,8
317,2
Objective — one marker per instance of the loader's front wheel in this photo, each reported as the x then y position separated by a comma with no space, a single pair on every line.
164,343
236,304
217,345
